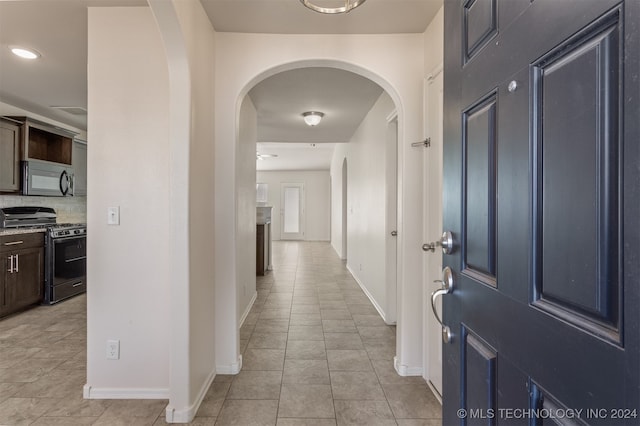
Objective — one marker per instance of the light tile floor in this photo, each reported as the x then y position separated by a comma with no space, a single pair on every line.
315,352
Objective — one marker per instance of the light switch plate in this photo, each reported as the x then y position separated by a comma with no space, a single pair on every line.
113,215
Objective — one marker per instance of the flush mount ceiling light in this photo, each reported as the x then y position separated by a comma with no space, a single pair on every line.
25,53
312,118
349,5
263,156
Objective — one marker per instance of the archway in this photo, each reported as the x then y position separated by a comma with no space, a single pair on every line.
243,201
246,59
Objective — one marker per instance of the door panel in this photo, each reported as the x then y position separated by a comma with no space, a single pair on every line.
25,286
480,377
541,193
575,106
292,211
480,25
479,133
10,155
5,276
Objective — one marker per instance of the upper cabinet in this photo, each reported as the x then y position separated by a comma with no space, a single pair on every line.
46,142
80,167
9,156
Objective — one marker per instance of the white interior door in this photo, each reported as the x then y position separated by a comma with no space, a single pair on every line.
432,230
391,214
292,211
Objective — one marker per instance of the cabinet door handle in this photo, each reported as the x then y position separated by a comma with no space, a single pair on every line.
10,260
17,256
13,243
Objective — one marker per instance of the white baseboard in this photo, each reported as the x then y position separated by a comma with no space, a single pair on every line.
435,391
369,295
405,370
249,306
233,368
89,392
186,415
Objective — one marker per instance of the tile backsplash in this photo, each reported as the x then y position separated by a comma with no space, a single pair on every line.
69,209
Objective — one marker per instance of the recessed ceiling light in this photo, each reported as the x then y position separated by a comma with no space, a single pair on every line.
25,53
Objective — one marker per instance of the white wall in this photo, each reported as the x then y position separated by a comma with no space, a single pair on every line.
396,63
198,362
129,265
434,44
246,208
367,198
152,123
317,200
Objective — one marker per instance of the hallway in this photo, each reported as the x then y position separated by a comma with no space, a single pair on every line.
315,348
315,352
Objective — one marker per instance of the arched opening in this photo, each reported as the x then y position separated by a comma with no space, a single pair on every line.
236,77
362,179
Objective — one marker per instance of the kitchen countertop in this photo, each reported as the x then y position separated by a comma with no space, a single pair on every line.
17,231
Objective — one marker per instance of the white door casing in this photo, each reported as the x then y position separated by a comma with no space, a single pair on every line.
433,227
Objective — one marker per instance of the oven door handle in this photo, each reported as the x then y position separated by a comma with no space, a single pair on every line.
75,258
68,237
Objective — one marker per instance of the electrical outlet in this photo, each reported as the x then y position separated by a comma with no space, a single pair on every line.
113,349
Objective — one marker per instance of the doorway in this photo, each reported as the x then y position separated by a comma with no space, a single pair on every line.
292,211
391,214
432,159
344,209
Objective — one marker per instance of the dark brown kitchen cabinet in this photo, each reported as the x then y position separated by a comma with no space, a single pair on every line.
9,156
43,141
22,276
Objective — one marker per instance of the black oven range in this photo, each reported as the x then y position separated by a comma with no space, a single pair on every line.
65,250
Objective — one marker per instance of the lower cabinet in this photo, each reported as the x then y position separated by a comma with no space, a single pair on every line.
22,276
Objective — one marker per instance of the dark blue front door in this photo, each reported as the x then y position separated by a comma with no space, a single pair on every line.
542,194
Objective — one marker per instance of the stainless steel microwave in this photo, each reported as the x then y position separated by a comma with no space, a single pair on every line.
45,178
